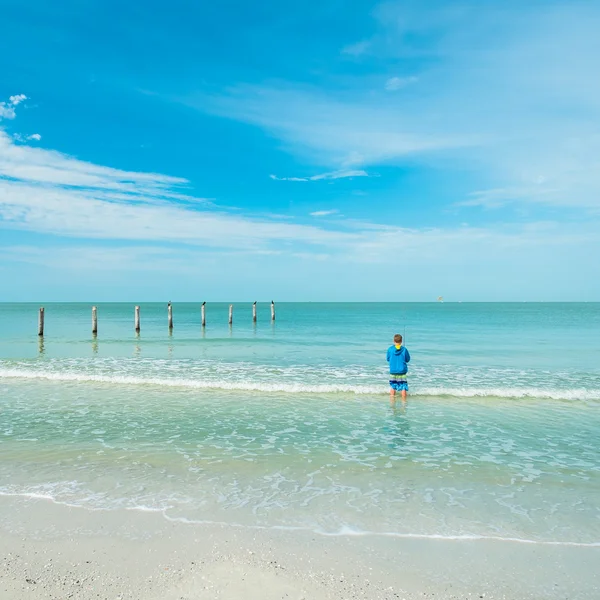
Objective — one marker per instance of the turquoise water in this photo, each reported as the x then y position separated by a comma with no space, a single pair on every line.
288,424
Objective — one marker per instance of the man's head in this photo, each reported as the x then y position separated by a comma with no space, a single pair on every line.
397,339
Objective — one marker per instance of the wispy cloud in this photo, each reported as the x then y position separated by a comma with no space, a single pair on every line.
110,210
49,192
324,213
149,216
343,133
515,99
49,167
498,197
395,83
342,174
99,258
510,263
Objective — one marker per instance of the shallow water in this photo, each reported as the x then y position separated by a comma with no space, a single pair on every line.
289,424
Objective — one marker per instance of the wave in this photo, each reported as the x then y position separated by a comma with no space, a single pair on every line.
291,387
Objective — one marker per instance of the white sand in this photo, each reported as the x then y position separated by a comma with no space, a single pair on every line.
56,552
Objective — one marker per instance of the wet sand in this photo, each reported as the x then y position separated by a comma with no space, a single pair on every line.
57,552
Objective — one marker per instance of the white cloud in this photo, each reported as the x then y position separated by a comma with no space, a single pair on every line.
50,167
465,263
395,83
89,214
7,111
498,197
343,133
341,174
24,138
324,213
48,192
275,178
15,100
70,206
146,258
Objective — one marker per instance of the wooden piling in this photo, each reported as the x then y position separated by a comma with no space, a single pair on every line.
254,313
170,311
204,314
94,320
230,314
272,310
41,322
137,319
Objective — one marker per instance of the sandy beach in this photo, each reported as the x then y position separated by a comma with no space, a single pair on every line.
52,551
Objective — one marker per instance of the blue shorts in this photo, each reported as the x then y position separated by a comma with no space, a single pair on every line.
398,382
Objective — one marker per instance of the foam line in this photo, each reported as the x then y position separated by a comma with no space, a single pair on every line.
343,532
292,388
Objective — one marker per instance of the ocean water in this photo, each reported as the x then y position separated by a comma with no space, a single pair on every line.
289,424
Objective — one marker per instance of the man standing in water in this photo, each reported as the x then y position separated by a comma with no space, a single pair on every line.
398,357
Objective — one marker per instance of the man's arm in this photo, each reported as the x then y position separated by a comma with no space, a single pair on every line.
387,356
407,356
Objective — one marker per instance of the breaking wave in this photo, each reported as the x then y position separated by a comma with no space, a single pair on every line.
246,384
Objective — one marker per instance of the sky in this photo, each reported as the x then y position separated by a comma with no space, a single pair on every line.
314,151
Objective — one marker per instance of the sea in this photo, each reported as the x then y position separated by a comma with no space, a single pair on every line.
289,424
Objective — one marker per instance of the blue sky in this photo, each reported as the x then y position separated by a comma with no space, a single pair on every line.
300,151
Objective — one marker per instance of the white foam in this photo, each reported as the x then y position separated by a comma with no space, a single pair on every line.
347,531
143,508
191,383
344,531
298,387
50,498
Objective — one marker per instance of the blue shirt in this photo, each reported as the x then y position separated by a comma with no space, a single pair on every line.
398,359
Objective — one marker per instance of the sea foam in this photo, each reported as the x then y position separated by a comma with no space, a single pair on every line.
297,387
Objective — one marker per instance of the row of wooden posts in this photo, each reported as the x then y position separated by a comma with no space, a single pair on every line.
169,317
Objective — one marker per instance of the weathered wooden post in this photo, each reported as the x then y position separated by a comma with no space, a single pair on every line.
204,314
137,319
230,314
41,322
94,320
254,313
170,310
272,310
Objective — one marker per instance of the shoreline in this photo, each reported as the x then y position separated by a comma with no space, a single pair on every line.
55,551
345,532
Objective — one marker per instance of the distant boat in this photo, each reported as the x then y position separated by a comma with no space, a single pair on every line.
440,298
